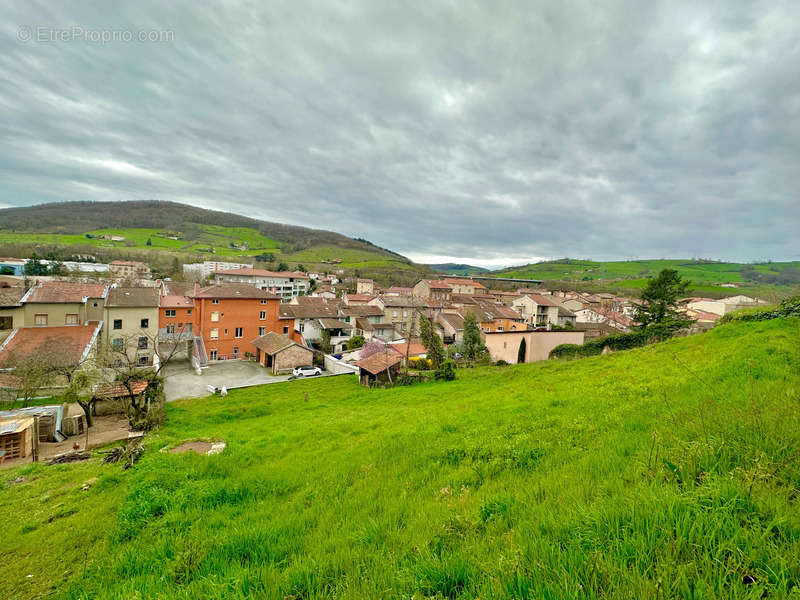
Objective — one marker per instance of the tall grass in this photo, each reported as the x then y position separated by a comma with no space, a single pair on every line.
665,471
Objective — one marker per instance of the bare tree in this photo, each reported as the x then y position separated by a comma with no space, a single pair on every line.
123,360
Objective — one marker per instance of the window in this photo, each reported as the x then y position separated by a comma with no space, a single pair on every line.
212,355
405,314
238,332
145,323
285,330
142,343
188,311
71,319
302,327
40,319
214,317
262,331
226,332
499,329
6,322
116,343
215,301
262,315
143,360
170,312
263,301
94,304
403,326
394,313
213,334
236,351
171,328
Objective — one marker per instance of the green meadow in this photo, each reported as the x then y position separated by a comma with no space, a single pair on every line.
201,238
706,276
670,471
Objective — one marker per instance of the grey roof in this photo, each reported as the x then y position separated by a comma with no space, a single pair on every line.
132,297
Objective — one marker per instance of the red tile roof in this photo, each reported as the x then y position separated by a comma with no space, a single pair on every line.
463,281
175,302
63,292
415,350
379,362
70,342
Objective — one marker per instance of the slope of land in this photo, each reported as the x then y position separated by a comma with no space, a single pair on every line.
458,269
666,471
630,276
163,231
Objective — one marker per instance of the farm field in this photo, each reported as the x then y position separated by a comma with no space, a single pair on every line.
666,471
706,276
205,236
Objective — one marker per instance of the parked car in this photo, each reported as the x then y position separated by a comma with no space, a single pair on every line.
306,371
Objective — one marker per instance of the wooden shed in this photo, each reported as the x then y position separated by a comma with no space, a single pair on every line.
16,436
378,367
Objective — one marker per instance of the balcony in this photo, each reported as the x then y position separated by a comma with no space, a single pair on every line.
166,335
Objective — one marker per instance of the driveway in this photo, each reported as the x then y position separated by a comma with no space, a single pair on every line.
182,382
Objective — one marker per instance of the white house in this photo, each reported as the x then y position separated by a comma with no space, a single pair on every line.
286,284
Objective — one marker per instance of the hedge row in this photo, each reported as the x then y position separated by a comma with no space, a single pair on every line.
788,308
622,341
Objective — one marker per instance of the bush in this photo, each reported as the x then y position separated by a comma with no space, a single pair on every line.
357,341
622,341
417,362
501,363
787,308
446,371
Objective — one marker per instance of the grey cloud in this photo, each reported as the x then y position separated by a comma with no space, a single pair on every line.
470,130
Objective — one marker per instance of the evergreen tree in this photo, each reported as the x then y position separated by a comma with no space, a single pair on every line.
149,242
431,341
523,350
282,266
658,308
472,344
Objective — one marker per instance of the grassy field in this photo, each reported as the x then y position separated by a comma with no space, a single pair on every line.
706,276
666,471
204,236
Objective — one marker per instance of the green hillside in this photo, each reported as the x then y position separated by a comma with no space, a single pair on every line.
667,471
458,269
629,276
78,228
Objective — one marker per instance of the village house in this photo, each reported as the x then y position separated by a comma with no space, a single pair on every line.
229,316
131,322
128,269
432,288
365,287
54,303
537,310
495,317
176,314
279,354
461,285
201,271
284,284
397,290
356,299
12,313
450,327
401,311
364,318
64,344
725,305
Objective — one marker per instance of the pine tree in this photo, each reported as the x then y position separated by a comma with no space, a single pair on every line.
431,341
658,308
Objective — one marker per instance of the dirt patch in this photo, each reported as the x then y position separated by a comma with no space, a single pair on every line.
198,447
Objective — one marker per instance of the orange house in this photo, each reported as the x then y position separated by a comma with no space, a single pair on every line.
175,315
230,316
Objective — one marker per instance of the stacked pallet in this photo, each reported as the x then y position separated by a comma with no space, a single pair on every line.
16,436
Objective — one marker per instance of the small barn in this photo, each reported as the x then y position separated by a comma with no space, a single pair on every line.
16,436
278,353
378,367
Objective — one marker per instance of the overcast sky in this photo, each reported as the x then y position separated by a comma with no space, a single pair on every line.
492,133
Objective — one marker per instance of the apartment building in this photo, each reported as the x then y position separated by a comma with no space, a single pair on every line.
284,284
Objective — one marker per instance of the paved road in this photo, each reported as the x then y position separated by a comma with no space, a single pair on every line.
182,382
